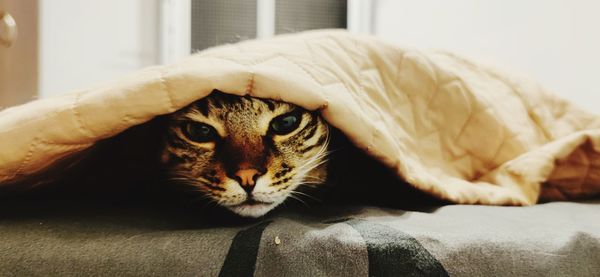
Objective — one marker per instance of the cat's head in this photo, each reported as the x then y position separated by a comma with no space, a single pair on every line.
246,154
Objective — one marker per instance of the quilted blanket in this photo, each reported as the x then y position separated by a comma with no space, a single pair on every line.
458,130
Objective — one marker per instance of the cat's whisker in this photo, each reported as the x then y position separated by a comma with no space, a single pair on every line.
292,196
310,184
201,198
310,166
189,183
307,195
209,203
313,180
196,164
319,159
323,151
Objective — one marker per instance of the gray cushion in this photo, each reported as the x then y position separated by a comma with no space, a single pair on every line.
142,239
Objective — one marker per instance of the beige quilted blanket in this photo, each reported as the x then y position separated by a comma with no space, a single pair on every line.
453,128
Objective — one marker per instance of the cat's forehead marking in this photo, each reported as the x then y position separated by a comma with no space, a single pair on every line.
194,114
231,114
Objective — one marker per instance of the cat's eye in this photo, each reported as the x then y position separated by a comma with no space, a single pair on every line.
285,124
199,132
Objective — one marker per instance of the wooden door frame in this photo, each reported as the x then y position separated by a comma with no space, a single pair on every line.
19,63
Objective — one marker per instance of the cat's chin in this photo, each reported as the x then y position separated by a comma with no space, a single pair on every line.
252,210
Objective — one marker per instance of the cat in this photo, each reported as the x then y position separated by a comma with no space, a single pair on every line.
246,154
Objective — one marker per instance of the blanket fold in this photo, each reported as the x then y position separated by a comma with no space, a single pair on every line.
455,129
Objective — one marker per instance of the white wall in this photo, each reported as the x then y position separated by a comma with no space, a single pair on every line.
555,41
87,42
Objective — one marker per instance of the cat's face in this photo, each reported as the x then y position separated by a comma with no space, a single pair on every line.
246,154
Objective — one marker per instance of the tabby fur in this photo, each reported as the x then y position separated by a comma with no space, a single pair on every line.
239,160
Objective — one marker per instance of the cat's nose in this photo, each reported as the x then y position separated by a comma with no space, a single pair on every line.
247,178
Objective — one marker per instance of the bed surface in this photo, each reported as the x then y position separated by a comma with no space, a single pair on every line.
59,237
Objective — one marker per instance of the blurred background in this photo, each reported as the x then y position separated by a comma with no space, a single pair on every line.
48,47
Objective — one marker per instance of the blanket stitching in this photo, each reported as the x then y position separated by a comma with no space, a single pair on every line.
78,120
303,69
346,52
504,140
27,159
471,155
367,101
250,85
335,80
338,79
467,153
433,96
355,64
512,89
399,87
246,64
64,144
311,52
464,86
167,91
483,160
435,79
226,59
361,77
532,116
37,140
472,113
396,80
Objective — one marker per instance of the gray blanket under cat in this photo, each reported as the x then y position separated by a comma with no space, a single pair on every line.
59,239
